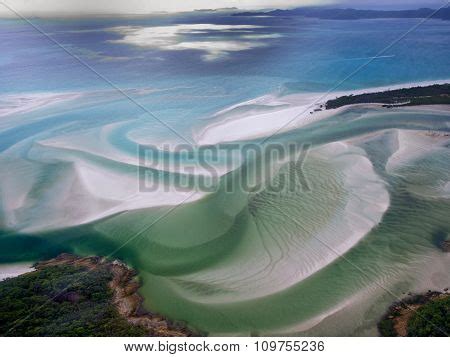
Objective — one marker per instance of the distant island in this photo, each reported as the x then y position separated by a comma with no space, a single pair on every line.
73,296
427,95
354,14
221,9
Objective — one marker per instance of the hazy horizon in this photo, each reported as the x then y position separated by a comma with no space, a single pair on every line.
118,7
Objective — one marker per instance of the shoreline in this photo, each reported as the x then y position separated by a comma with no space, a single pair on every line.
405,85
12,270
281,114
417,95
394,323
124,286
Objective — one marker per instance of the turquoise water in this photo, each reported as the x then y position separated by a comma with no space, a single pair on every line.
326,259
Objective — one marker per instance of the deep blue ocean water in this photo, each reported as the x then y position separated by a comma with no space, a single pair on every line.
246,262
311,55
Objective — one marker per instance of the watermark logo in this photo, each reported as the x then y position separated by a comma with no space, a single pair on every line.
227,167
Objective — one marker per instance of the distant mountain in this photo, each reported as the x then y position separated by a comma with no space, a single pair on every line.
216,10
353,14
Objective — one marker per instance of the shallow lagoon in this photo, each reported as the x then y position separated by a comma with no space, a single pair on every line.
327,261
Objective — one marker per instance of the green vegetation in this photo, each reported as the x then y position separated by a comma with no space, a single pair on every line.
386,328
435,94
431,319
38,304
425,315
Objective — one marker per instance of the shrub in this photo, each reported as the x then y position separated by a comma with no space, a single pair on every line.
432,319
61,301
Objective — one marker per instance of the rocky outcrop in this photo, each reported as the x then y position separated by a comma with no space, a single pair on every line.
445,246
126,299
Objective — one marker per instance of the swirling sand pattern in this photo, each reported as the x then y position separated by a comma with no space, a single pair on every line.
241,262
